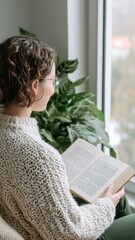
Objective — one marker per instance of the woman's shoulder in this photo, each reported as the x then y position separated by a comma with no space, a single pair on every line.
37,148
26,150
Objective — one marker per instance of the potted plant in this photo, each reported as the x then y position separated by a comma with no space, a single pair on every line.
70,115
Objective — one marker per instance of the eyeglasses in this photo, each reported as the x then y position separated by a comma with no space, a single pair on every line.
51,79
54,80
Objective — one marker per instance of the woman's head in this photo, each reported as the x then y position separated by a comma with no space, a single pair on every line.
23,62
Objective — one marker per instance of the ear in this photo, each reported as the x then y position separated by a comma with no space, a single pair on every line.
35,87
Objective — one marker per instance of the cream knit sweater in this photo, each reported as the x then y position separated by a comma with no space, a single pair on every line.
34,193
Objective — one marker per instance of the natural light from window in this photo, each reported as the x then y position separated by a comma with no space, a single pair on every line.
122,122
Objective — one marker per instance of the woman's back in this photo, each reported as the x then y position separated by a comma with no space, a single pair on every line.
35,197
23,168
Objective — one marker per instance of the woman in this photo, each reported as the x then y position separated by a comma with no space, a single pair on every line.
34,194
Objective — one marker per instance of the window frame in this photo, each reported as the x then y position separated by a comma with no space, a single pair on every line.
100,34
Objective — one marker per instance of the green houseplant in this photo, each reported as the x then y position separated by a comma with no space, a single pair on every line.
69,114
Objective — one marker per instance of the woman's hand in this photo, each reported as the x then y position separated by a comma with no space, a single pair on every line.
114,197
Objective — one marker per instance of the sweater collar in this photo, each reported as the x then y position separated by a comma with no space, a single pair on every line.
18,122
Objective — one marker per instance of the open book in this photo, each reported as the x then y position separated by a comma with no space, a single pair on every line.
90,171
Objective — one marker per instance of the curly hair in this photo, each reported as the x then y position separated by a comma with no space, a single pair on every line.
22,60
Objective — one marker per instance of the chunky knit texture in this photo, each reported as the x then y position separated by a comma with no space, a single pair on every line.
7,232
34,193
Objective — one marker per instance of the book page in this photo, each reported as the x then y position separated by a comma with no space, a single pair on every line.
78,158
123,179
97,177
90,171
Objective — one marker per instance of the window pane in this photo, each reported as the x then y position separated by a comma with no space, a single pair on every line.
122,124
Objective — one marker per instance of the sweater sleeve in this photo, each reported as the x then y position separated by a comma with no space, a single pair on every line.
42,192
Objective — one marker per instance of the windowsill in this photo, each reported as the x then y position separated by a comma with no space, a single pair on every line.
130,192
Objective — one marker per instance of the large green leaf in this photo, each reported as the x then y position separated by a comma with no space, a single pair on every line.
83,132
64,143
69,87
112,151
73,135
96,112
80,81
46,134
66,87
27,33
61,118
65,67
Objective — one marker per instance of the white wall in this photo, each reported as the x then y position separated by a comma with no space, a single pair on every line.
78,36
61,23
49,22
14,13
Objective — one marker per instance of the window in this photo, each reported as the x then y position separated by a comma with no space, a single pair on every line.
119,81
112,64
122,117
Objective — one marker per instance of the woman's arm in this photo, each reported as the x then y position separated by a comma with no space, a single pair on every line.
46,202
